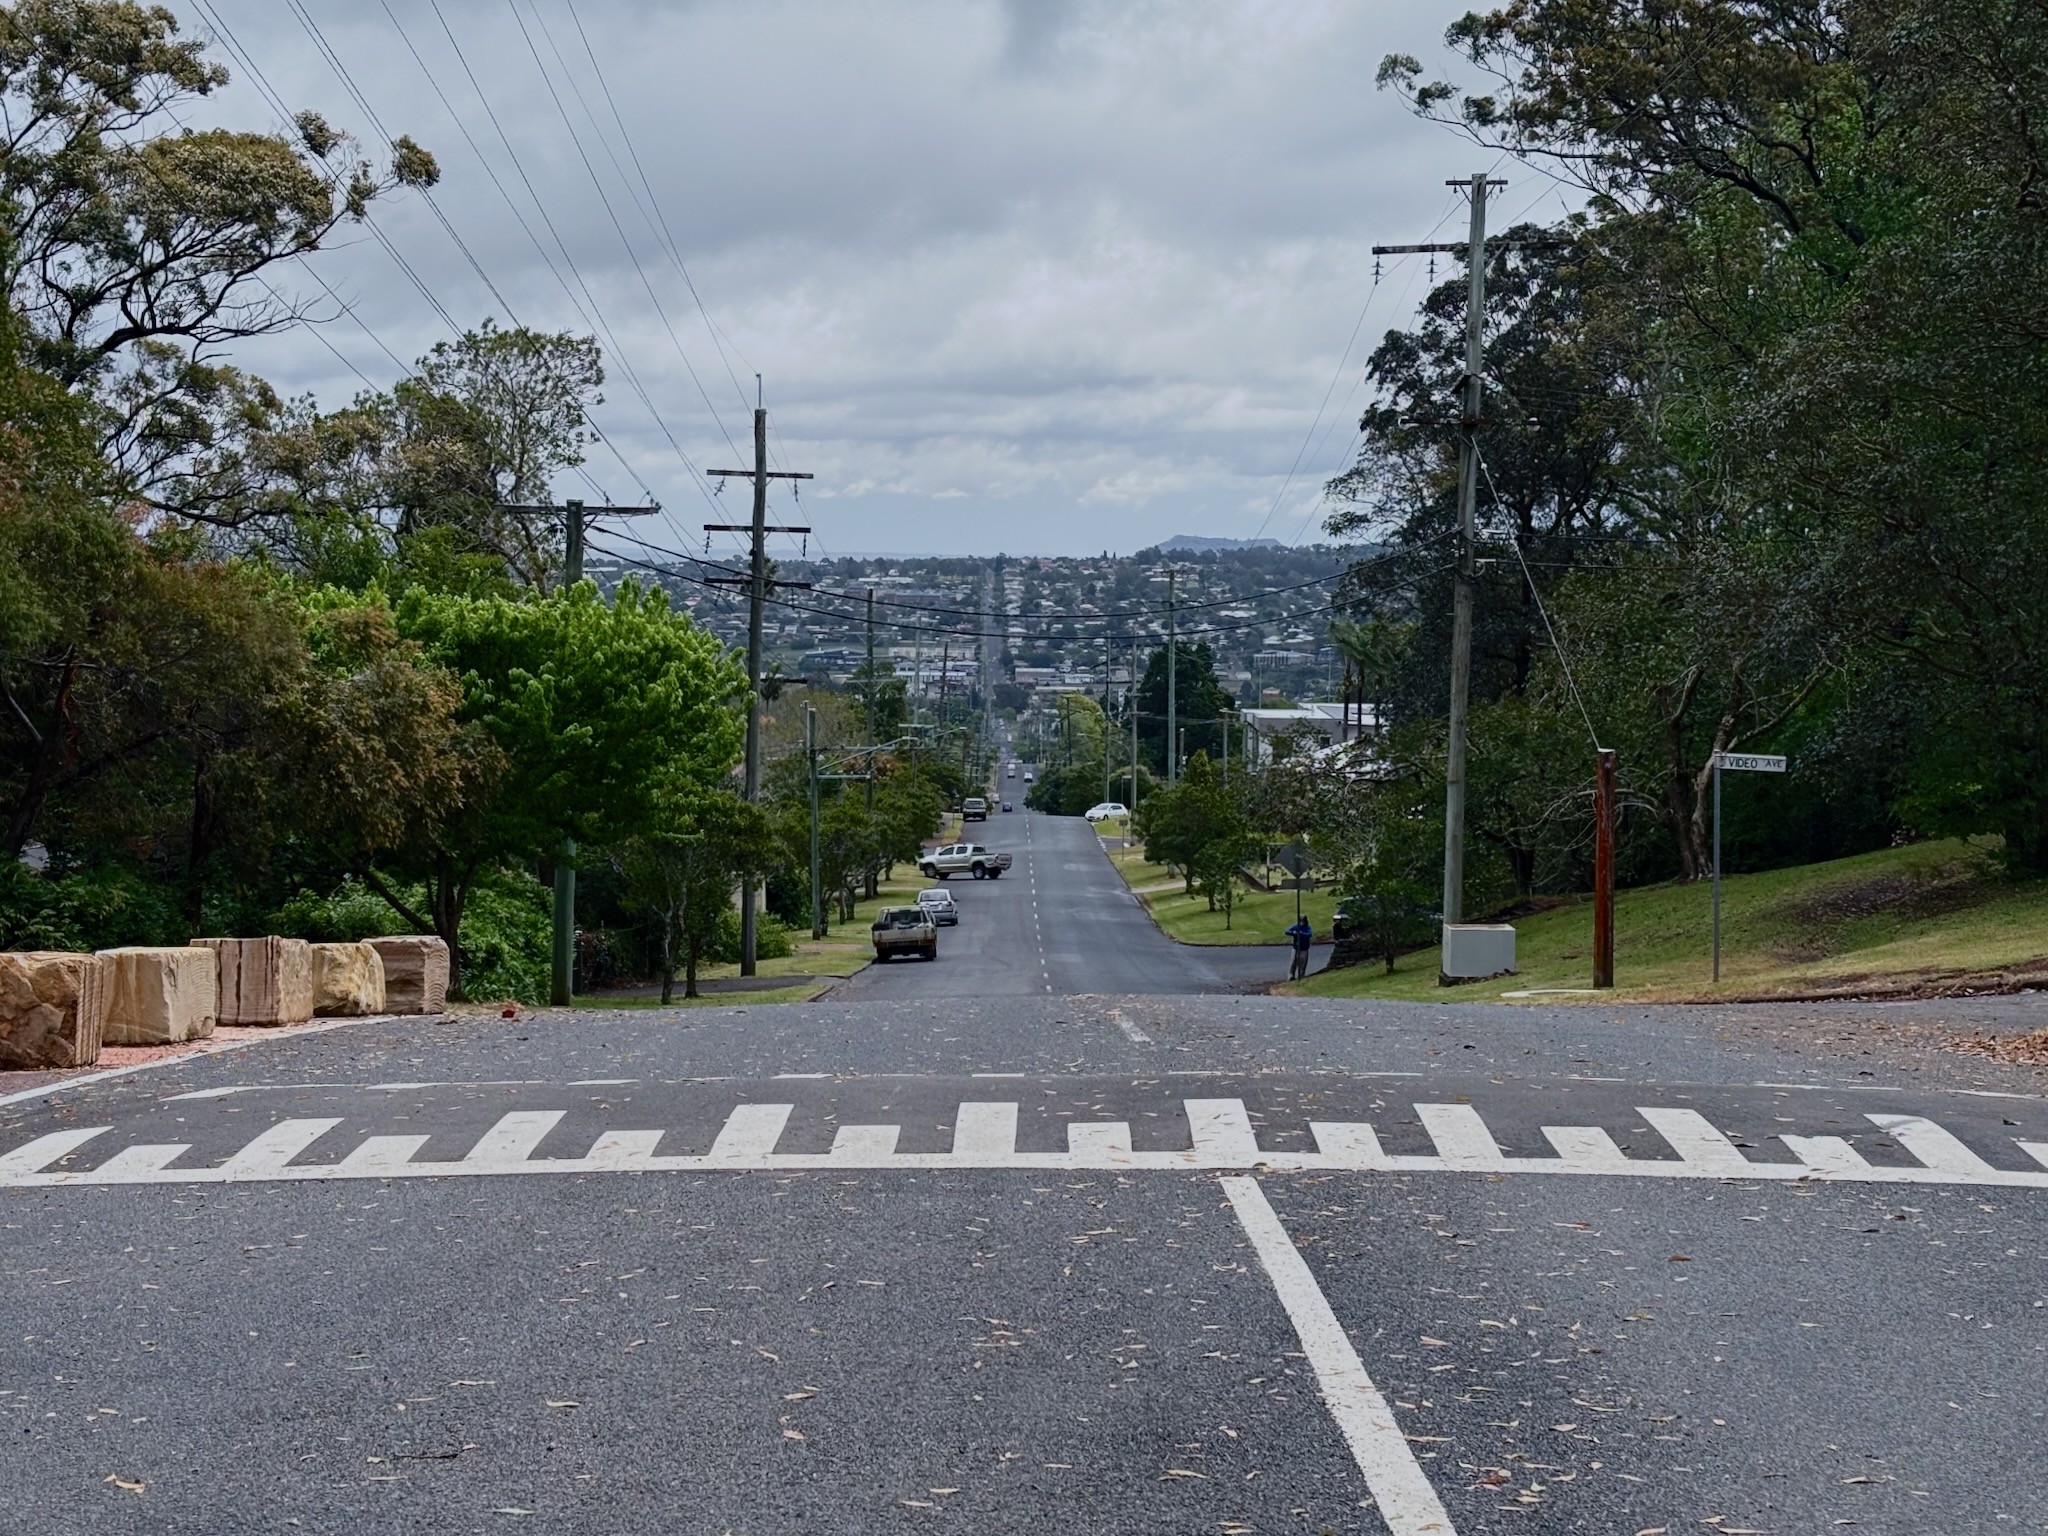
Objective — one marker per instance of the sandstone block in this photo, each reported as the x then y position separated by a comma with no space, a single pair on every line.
348,980
415,973
263,981
160,996
53,1008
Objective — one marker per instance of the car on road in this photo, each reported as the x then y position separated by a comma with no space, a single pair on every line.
905,931
944,910
1006,805
962,859
1027,775
1012,772
1108,810
974,808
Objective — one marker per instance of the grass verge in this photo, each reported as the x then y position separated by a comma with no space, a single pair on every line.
1927,917
1260,917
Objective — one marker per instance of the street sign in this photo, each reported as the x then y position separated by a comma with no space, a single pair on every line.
1732,762
1293,858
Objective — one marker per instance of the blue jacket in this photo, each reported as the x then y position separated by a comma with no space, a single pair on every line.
1301,933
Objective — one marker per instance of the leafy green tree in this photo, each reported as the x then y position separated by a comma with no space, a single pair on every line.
681,874
135,247
599,711
1390,894
1200,702
1197,828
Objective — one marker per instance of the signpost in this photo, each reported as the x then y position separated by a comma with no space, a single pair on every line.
1295,860
1732,762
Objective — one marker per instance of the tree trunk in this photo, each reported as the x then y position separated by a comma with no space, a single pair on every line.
690,953
43,769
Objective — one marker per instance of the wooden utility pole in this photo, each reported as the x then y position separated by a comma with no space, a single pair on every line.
575,514
757,583
811,762
1170,573
1603,867
1474,251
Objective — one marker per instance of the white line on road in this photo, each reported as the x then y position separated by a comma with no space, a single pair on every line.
1406,1500
1131,1032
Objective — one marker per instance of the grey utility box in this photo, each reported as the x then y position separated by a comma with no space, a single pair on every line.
1476,950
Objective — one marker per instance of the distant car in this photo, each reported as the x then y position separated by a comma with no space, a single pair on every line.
905,931
1012,773
1027,776
1342,925
974,808
1108,810
1006,805
962,859
942,908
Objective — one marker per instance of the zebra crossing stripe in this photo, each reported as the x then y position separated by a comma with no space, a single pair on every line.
1222,1137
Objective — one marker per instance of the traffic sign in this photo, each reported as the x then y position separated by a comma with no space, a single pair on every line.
1294,858
1748,762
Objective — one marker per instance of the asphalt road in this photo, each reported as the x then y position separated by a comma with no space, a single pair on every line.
1008,1261
1062,921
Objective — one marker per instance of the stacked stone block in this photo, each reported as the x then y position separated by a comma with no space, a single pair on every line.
263,981
53,1009
160,996
415,973
348,980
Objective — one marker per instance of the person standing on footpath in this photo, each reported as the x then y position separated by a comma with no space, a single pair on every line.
1301,935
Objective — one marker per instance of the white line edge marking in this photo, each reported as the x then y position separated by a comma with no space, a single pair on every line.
1406,1500
298,1033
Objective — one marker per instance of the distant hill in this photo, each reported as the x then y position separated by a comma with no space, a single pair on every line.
1200,541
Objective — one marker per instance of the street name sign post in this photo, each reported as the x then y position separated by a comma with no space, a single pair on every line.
1732,762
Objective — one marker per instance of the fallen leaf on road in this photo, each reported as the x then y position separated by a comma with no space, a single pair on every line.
1653,1530
1436,1343
917,1503
1180,1472
942,1491
1564,1429
512,1509
567,1402
121,1482
792,1434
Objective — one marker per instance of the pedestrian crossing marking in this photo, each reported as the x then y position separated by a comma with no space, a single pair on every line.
1221,1137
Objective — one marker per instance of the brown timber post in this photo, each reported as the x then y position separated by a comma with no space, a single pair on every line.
1603,868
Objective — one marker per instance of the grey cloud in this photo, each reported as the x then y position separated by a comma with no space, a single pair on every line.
1080,267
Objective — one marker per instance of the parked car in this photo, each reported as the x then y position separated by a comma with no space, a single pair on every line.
1108,810
944,910
905,931
1341,924
1006,805
963,859
974,808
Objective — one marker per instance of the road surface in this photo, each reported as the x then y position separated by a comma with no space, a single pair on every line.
1062,921
1014,1261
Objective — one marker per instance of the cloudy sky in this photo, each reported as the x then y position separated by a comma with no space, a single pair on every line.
1023,275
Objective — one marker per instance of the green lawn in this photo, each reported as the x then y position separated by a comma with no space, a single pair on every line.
1919,915
1260,917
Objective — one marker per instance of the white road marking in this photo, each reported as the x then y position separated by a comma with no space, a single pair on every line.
268,1154
750,1133
985,1137
984,1131
514,1137
1696,1140
1222,1133
1937,1148
1131,1032
1406,1500
1460,1135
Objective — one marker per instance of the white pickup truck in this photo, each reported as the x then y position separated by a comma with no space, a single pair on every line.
962,859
